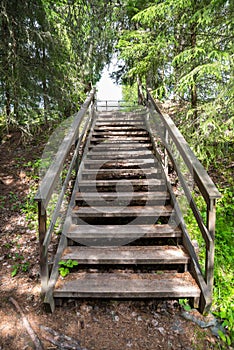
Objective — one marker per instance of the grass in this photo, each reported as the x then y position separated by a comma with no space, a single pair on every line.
223,294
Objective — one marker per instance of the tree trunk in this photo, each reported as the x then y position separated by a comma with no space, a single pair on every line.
194,86
44,87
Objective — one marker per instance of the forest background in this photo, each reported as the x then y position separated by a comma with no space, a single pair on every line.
52,52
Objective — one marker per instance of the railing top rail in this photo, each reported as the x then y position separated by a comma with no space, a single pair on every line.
203,180
50,179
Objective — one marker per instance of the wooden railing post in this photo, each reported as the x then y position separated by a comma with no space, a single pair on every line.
211,218
165,155
77,159
44,272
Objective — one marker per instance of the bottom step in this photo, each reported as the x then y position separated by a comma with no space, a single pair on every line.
127,285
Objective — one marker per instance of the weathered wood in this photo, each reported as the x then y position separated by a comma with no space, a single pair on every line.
123,231
120,146
127,255
122,183
124,195
112,124
205,184
56,212
195,269
50,179
116,128
125,173
116,154
49,297
120,138
211,217
121,163
120,152
61,341
105,244
204,231
117,211
126,134
125,285
44,271
36,341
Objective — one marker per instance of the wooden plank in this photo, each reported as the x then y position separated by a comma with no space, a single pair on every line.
116,154
120,138
127,255
97,163
123,231
122,198
205,184
114,128
51,177
123,152
121,117
120,173
116,211
114,123
108,133
106,285
120,146
121,183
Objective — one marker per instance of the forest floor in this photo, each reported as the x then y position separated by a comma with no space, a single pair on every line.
97,325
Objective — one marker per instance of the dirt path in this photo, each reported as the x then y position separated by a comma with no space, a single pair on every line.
98,325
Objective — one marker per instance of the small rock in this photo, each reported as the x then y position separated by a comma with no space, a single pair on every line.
116,318
154,323
161,330
133,314
139,318
86,308
129,344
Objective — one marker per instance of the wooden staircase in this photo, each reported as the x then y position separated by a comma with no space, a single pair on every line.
121,228
124,226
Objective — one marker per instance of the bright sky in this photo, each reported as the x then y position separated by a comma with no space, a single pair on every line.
106,88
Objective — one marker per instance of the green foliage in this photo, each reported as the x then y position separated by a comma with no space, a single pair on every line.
51,54
223,296
183,49
16,268
184,303
66,266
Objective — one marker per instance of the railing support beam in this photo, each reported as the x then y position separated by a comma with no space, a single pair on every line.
44,271
211,218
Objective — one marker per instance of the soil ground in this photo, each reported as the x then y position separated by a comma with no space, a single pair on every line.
97,325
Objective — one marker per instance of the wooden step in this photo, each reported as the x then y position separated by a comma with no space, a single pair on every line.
122,183
126,134
109,232
115,123
116,211
120,146
114,128
120,138
118,155
119,164
124,118
94,198
120,151
127,285
127,255
120,173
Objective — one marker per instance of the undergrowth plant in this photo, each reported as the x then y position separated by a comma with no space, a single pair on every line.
223,294
66,266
